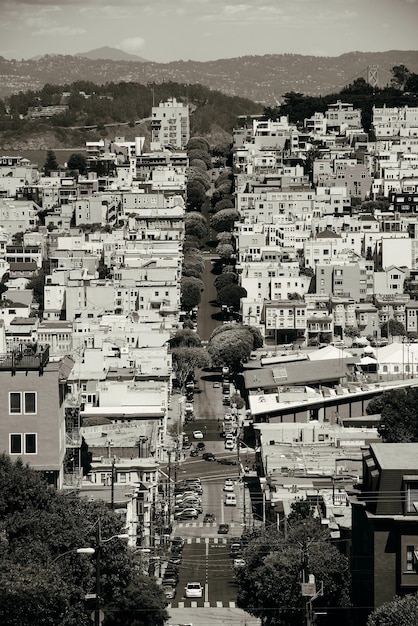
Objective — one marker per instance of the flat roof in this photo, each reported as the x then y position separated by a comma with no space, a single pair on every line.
396,456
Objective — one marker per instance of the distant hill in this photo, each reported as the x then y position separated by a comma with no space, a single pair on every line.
263,79
113,54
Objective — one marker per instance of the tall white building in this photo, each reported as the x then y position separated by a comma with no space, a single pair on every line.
170,125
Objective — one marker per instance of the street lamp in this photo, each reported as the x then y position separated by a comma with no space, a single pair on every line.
73,551
98,613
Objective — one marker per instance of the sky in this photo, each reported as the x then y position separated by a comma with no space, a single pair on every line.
203,30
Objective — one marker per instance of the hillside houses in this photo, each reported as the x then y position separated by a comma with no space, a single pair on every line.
307,230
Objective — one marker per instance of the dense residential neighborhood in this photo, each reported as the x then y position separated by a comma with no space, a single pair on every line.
207,343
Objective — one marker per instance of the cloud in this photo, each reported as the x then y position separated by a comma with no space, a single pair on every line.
61,31
132,45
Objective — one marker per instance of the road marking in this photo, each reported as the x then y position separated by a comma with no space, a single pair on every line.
207,573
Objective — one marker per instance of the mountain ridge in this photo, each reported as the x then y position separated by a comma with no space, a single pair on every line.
264,79
113,54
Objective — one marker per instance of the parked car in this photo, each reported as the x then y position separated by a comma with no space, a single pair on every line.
194,452
239,562
208,456
177,541
194,590
223,529
189,513
169,591
216,384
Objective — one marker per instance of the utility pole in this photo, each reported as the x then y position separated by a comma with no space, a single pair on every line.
112,485
97,613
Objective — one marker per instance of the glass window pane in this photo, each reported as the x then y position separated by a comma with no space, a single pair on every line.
30,443
15,444
15,402
30,402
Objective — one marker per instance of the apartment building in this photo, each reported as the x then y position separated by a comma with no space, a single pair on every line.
384,527
170,126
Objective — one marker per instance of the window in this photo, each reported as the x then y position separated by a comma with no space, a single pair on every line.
411,493
15,444
15,402
29,402
30,443
410,558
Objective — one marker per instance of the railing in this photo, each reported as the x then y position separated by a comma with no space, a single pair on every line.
18,361
73,438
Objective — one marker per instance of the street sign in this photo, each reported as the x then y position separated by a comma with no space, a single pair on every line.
308,589
93,616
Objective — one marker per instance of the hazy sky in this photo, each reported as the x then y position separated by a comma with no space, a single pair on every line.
168,30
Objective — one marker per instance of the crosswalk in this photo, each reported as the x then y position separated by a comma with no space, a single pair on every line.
205,605
201,525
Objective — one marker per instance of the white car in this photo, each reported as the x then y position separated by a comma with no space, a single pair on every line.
229,444
228,485
197,434
194,590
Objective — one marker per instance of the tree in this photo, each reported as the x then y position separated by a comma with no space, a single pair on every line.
226,203
77,162
224,250
51,163
130,609
195,224
33,594
395,329
230,344
185,338
224,220
269,584
198,143
399,612
42,579
399,415
191,289
193,258
231,295
224,280
196,194
186,360
400,75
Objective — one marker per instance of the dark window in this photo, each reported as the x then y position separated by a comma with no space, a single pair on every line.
30,443
30,402
15,444
15,402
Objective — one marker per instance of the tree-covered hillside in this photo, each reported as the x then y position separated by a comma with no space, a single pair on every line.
91,108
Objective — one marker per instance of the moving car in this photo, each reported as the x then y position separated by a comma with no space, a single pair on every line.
209,518
239,562
216,384
229,444
208,456
228,485
223,529
230,499
200,445
197,434
194,590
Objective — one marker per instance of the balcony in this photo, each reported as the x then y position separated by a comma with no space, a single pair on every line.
25,360
73,438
